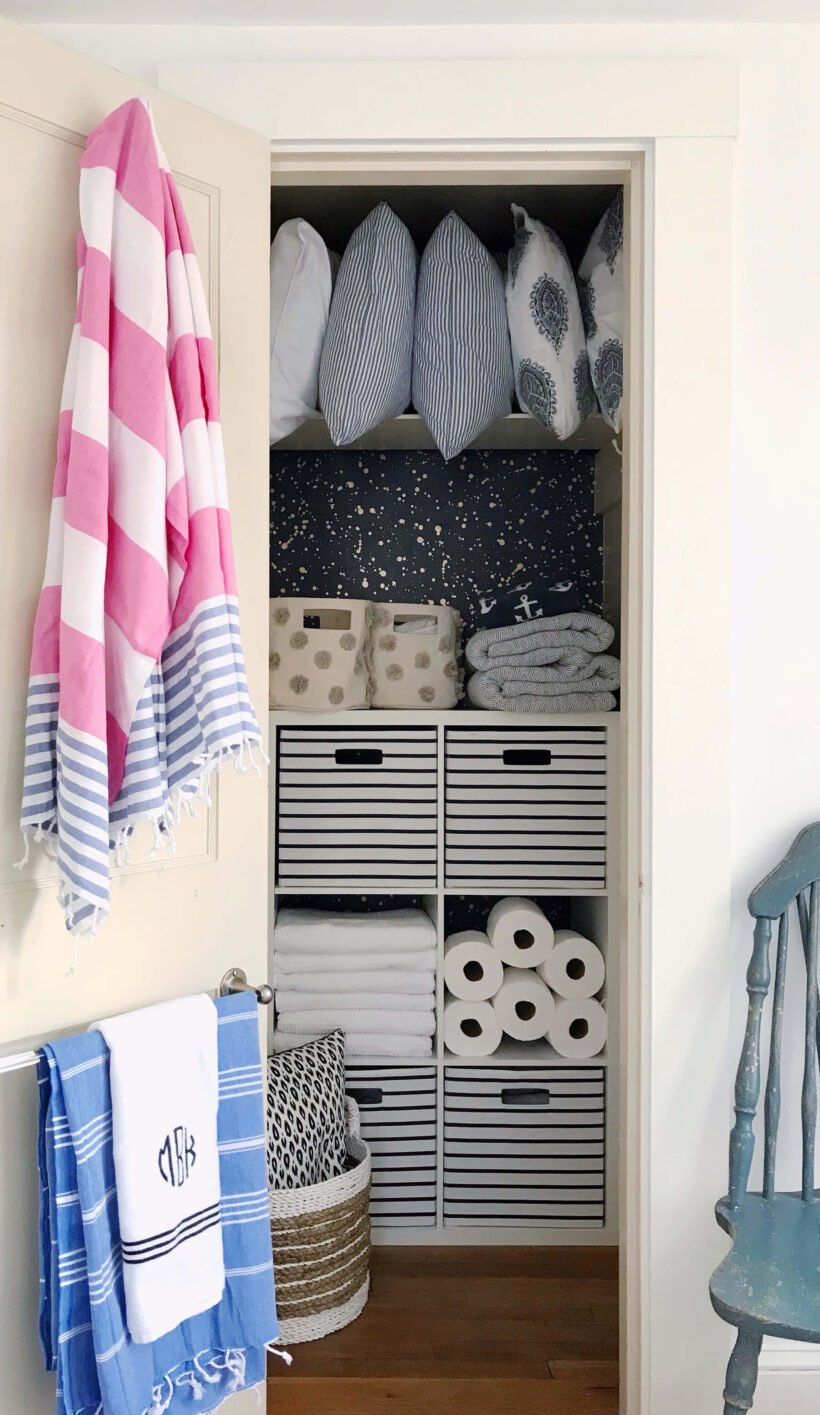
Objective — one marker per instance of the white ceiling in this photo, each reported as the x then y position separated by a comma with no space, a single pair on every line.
399,12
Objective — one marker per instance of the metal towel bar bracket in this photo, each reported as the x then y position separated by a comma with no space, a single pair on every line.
235,980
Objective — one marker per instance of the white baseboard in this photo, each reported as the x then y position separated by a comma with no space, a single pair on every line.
788,1393
789,1381
788,1357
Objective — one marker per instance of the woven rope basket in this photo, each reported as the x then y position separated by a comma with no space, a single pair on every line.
321,1246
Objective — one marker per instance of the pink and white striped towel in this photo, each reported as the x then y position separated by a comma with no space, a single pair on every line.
137,689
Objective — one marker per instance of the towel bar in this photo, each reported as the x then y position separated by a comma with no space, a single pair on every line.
233,981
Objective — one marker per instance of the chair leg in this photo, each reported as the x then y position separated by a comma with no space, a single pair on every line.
741,1375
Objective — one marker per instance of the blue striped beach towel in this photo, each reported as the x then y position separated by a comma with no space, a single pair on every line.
100,1371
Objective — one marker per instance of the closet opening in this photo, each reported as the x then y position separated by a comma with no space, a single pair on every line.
492,836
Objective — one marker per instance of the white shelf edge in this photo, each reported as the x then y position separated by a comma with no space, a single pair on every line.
518,1054
409,433
448,717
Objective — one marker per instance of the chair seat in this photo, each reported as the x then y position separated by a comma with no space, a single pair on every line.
771,1276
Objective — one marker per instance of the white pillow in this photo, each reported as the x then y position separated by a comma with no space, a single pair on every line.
601,289
300,288
546,329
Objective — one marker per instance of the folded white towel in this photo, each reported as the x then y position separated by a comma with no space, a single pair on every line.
392,931
290,1000
419,1024
164,1100
366,982
364,1043
414,961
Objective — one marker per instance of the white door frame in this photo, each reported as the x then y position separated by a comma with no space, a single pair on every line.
672,123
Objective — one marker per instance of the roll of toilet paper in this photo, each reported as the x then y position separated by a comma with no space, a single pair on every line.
524,1005
471,1028
520,933
473,970
575,967
578,1028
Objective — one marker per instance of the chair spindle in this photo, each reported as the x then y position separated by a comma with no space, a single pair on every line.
803,911
747,1083
809,1097
772,1104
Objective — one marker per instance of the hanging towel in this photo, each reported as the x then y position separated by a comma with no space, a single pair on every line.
164,1099
137,687
83,1321
366,981
389,931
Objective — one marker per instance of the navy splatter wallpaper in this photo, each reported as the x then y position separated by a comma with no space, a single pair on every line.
406,527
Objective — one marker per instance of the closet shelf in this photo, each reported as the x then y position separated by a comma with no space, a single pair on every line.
409,433
455,717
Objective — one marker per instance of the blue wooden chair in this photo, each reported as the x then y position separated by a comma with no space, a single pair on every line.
769,1284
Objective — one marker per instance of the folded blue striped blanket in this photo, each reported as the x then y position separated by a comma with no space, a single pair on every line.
100,1370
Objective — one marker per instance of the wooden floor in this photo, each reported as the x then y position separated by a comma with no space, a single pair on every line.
467,1331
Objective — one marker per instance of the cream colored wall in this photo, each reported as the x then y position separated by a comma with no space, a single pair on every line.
171,930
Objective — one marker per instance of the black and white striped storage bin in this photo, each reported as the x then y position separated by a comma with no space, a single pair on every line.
526,806
356,805
524,1146
397,1106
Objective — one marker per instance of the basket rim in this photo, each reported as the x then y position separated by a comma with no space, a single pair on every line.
329,1191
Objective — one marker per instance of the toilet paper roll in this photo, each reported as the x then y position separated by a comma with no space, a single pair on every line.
471,1028
520,934
578,1028
524,1005
473,970
575,967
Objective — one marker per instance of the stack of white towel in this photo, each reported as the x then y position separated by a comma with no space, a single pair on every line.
373,975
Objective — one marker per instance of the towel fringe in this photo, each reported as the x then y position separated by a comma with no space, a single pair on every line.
247,754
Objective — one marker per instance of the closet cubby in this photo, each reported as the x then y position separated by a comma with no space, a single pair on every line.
464,807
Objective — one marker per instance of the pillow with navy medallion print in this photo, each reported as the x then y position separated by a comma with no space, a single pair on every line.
305,1113
462,375
552,378
601,289
367,355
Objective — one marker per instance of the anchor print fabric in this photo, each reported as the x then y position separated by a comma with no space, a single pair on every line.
552,376
530,599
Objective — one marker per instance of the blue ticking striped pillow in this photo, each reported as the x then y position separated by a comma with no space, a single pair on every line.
462,368
367,355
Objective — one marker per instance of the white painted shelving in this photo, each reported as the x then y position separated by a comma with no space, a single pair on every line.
593,911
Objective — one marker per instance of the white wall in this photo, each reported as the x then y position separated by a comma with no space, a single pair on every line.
776,460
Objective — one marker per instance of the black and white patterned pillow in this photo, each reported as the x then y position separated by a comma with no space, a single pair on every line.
305,1113
601,285
552,377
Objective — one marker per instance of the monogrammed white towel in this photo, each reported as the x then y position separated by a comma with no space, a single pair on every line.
164,1100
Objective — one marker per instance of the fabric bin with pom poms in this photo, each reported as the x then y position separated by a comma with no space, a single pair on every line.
318,654
415,656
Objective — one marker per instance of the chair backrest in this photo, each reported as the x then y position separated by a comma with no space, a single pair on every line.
791,888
